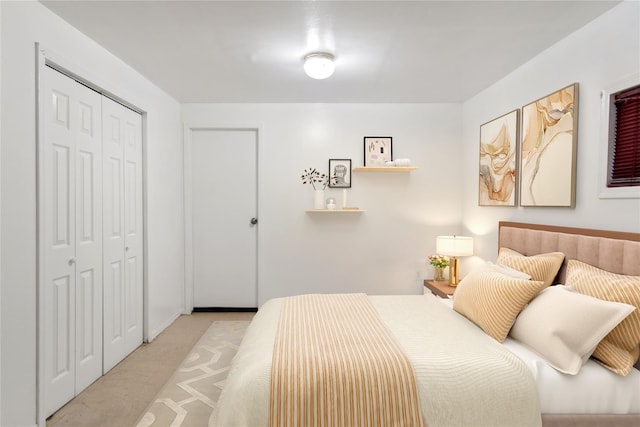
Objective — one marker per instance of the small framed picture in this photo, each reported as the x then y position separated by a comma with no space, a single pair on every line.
340,170
377,150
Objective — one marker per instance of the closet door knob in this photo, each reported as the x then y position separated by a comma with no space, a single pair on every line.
254,221
126,248
72,260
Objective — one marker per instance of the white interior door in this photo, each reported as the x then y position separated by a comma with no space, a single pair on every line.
72,238
223,204
122,216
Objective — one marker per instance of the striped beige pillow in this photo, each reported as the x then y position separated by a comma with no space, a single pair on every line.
540,267
619,350
493,300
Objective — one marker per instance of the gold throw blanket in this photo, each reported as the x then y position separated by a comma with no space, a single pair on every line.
336,364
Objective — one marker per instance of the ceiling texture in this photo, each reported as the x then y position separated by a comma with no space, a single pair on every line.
386,51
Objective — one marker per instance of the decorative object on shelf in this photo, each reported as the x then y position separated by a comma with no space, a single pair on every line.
378,150
319,182
548,149
498,151
318,199
439,263
384,168
341,170
331,204
398,163
454,247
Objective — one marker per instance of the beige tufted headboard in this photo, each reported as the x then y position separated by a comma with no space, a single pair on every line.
614,251
618,252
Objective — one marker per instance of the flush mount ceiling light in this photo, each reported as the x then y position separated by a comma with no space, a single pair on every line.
319,65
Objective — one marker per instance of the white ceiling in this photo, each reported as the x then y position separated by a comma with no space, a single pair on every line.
386,51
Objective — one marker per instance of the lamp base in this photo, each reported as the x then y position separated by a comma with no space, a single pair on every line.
454,271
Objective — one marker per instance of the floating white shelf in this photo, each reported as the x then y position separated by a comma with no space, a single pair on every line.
334,210
384,168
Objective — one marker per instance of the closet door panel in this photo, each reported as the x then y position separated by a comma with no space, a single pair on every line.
58,237
133,229
88,241
113,237
122,178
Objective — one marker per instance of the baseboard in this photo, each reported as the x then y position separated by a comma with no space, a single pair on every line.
225,309
155,333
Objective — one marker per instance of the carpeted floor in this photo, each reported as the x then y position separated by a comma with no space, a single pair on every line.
189,397
122,396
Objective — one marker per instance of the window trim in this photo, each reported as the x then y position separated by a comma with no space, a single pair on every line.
606,129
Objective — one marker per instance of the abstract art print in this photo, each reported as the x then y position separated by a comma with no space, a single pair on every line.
498,151
377,150
548,149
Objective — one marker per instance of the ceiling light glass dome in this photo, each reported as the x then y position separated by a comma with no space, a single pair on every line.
319,65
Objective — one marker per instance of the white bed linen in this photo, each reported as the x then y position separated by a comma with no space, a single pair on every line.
477,391
595,390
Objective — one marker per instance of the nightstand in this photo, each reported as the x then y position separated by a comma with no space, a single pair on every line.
440,289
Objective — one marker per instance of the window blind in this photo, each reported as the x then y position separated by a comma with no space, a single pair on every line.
624,170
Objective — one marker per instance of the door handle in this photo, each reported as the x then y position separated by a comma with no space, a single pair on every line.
72,260
254,221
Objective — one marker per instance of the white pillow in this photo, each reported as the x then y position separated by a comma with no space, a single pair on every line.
565,326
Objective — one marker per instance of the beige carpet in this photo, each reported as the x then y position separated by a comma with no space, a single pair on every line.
190,395
122,395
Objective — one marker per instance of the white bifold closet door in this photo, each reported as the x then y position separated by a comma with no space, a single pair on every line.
72,237
123,244
91,235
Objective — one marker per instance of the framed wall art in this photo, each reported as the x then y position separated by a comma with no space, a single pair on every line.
377,150
341,170
548,149
497,183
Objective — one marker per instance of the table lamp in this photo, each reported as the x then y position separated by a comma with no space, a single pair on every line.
454,247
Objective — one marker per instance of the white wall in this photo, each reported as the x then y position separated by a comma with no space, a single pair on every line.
0,215
379,251
595,56
24,24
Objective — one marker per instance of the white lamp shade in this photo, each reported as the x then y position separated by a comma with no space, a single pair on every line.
319,65
454,245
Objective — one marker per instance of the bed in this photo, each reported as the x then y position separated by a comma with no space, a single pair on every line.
464,376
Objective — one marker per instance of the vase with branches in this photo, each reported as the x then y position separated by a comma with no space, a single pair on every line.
319,181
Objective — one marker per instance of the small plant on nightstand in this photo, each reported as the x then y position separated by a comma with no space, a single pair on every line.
439,263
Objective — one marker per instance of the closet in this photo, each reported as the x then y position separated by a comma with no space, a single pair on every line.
91,235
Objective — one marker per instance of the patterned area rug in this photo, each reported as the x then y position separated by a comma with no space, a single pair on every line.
189,397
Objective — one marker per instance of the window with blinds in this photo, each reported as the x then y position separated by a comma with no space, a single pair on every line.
624,139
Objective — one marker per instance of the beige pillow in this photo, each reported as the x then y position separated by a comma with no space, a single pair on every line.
619,350
493,300
540,267
508,271
565,327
